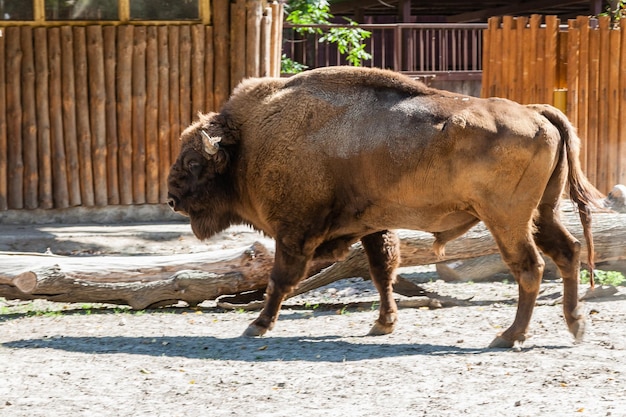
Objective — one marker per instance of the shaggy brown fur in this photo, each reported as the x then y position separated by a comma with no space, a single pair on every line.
336,155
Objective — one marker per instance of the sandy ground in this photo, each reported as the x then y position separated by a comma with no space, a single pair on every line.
77,360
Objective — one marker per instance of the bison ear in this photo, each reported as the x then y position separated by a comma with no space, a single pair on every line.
210,144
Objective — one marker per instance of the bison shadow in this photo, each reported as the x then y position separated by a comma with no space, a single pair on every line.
302,348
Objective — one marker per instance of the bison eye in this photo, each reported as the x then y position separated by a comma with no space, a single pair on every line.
194,167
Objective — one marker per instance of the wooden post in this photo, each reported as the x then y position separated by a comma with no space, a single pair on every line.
15,162
275,43
152,117
614,110
522,57
139,115
221,47
551,59
507,51
29,120
583,88
97,100
533,72
621,177
83,128
594,87
573,88
197,70
3,129
209,65
253,37
110,62
604,155
238,42
42,104
266,42
185,76
60,190
163,110
174,81
69,115
124,110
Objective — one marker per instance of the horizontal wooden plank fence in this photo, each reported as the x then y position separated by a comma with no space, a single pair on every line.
580,68
90,115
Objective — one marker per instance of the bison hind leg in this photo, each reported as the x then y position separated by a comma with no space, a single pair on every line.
383,254
557,243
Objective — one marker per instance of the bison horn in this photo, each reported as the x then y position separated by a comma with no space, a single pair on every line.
211,143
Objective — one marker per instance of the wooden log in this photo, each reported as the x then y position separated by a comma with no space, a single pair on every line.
152,117
25,283
15,161
221,48
238,42
209,84
44,157
163,111
60,191
97,100
143,282
68,278
29,120
184,69
83,127
174,81
124,111
197,70
254,14
110,62
139,115
3,129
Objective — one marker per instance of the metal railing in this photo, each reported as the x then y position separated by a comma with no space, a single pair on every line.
411,48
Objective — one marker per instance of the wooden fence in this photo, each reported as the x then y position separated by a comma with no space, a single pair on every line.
90,114
580,68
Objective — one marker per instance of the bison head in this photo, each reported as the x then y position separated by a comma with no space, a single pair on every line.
200,183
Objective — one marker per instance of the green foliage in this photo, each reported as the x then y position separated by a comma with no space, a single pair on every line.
289,66
349,40
613,278
616,9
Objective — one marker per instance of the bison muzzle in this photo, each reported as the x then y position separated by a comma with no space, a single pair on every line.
336,155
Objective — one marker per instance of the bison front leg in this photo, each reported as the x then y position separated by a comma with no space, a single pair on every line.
383,254
287,272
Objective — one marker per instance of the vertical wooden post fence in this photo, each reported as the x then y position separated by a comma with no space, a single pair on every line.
91,113
532,60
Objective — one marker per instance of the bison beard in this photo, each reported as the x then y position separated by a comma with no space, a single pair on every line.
331,156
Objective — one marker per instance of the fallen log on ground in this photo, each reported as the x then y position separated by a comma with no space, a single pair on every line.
144,281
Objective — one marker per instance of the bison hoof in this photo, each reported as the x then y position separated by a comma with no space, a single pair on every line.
577,328
254,331
380,329
500,342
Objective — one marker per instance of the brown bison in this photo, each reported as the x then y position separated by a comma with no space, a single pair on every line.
336,155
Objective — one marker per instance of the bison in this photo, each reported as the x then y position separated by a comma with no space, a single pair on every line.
332,156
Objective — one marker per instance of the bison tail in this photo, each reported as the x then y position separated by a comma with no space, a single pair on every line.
581,191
